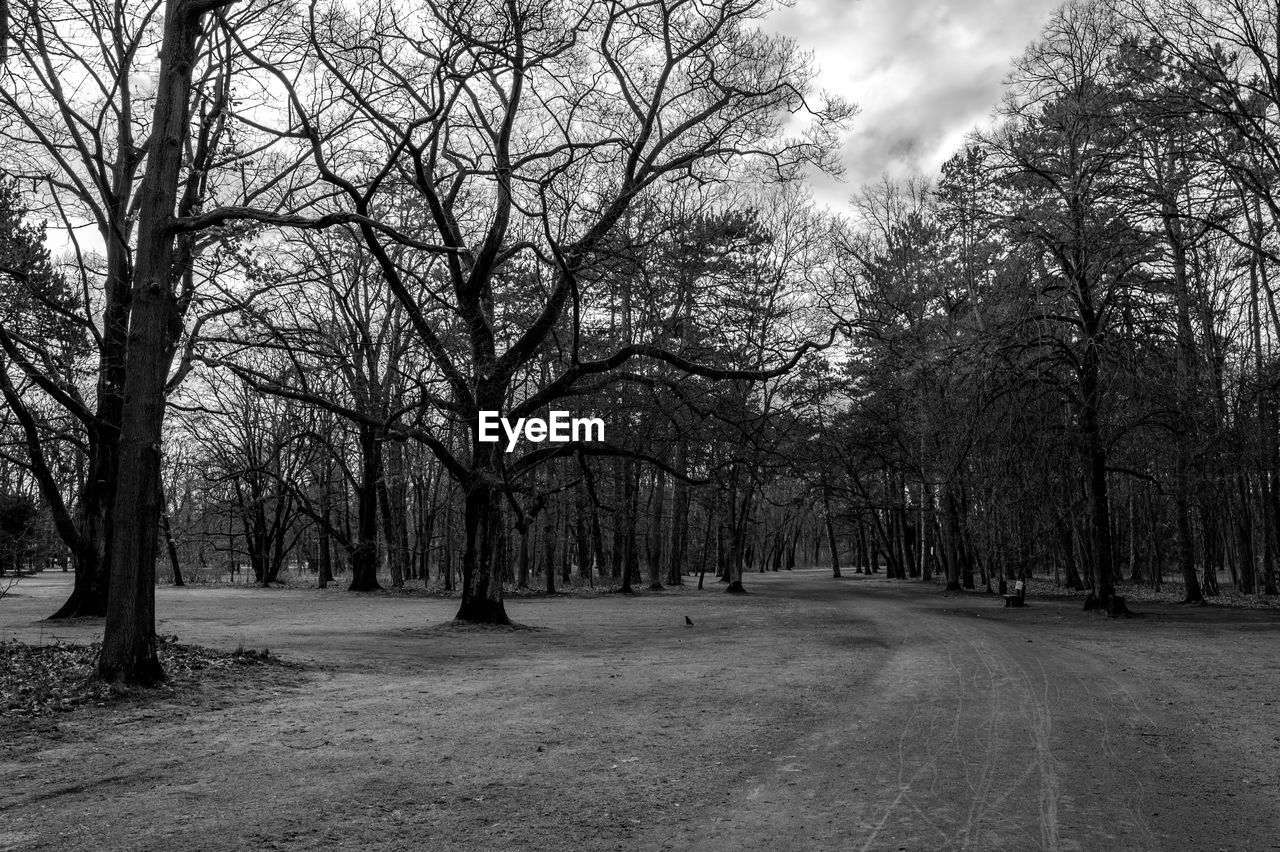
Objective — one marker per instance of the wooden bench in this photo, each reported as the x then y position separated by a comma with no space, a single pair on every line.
1019,596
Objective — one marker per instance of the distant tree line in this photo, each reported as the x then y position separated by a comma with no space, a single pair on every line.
1066,358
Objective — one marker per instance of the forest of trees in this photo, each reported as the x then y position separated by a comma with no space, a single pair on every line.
263,263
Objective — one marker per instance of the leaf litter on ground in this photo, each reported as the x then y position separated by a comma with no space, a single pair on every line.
37,680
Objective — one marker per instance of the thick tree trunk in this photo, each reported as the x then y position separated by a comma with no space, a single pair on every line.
364,555
481,584
482,518
129,640
1104,595
254,523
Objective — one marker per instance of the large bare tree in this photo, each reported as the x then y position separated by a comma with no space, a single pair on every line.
507,139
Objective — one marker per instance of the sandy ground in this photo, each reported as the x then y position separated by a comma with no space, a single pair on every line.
812,714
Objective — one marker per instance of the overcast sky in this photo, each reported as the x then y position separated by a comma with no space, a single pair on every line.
922,72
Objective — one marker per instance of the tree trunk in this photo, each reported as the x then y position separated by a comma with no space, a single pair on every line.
624,536
129,639
1068,550
597,535
481,586
829,522
393,497
958,518
482,518
364,554
617,555
679,519
951,556
582,535
740,511
656,543
929,562
524,526
325,574
446,555
1104,595
88,596
97,497
549,548
169,542
1186,398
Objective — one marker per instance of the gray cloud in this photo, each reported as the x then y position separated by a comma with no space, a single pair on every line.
923,73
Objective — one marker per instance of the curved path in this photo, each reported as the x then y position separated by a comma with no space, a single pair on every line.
812,714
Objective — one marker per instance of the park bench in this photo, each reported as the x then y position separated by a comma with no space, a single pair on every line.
1019,596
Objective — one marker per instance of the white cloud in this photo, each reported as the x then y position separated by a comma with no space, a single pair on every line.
923,72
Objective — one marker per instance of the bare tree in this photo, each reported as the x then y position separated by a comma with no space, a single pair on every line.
155,327
80,147
481,139
1060,152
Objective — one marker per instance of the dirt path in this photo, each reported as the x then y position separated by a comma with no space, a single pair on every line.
994,729
812,714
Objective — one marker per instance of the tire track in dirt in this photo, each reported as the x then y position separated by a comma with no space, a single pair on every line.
998,728
970,736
